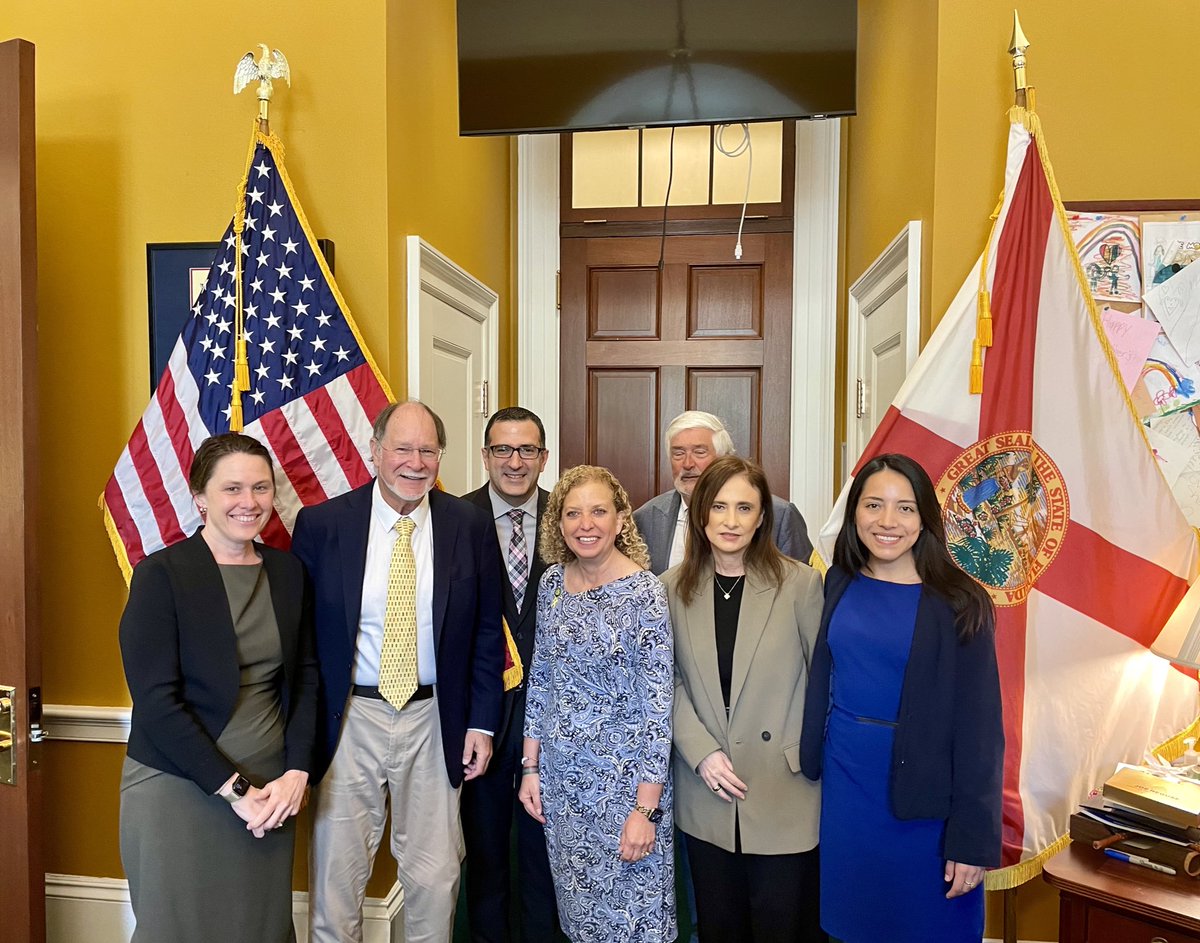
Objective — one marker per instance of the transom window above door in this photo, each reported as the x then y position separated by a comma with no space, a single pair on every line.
630,169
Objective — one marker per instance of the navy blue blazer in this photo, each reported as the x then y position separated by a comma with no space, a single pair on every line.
522,625
331,540
179,649
948,755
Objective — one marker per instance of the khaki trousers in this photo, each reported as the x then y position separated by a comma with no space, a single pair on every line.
386,756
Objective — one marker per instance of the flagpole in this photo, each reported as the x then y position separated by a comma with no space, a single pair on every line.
272,64
1024,98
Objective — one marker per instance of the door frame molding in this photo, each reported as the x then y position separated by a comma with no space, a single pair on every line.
897,268
815,263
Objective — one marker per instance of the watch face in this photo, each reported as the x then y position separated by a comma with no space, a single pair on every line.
240,786
656,816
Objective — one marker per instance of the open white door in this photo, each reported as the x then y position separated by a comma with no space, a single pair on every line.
883,336
453,343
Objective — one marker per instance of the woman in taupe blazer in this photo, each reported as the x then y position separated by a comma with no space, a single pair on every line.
745,620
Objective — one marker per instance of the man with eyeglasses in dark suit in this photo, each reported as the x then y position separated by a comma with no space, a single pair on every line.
514,455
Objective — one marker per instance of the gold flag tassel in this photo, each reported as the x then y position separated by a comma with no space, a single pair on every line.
976,367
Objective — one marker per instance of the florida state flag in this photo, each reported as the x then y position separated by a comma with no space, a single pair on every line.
1053,500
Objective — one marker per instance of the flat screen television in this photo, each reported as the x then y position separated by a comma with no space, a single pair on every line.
557,65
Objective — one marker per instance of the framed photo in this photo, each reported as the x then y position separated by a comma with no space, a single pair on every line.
175,276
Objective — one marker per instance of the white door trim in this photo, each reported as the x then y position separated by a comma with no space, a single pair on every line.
814,302
897,267
537,286
429,270
814,318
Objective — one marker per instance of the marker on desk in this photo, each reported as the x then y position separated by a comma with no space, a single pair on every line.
1140,861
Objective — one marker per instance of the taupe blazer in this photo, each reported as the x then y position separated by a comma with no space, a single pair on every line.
777,630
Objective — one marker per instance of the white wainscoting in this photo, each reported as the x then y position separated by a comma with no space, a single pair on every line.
95,909
98,910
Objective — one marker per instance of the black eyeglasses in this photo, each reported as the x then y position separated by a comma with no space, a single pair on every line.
527,452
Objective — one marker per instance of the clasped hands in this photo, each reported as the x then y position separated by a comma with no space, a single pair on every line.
266,809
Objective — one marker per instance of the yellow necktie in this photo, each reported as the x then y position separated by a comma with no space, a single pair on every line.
398,656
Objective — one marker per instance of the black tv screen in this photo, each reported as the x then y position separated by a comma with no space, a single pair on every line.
556,65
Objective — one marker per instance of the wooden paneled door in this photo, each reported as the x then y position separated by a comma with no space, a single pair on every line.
22,872
639,345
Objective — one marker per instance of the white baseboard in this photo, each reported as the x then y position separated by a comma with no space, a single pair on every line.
98,910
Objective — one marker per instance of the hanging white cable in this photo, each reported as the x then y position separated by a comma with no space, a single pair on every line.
743,147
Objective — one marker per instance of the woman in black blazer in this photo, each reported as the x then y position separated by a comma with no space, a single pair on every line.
902,721
218,650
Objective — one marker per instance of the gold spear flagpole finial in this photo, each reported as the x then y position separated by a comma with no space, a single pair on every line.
1016,48
270,65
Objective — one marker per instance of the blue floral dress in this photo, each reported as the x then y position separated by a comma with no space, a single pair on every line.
599,701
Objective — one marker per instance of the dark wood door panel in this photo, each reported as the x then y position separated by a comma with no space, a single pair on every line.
640,344
736,396
623,407
623,303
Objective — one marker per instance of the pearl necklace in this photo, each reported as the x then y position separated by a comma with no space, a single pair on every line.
728,592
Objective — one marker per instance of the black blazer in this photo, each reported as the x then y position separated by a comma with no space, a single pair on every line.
180,654
522,624
948,755
331,540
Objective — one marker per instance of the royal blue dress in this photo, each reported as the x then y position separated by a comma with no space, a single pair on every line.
882,878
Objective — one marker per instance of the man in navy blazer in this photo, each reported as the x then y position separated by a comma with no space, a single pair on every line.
413,756
514,455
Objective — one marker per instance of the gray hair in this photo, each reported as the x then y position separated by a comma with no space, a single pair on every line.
695,419
379,426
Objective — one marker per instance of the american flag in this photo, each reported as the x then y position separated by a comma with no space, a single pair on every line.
314,388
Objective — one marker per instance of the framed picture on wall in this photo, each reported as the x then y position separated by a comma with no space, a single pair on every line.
175,276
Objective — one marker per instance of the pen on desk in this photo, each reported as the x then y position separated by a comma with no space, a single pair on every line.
1139,861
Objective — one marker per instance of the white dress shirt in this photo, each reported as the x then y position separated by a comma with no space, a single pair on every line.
680,540
381,535
500,511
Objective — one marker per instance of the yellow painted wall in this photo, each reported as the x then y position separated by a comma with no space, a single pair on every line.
139,140
889,172
1112,91
453,192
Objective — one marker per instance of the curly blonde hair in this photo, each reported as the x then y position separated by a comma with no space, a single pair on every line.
553,548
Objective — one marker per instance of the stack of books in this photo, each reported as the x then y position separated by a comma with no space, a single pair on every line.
1147,817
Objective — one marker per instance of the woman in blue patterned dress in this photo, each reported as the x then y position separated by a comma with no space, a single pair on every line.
902,722
597,757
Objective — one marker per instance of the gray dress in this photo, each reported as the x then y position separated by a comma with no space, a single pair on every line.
195,873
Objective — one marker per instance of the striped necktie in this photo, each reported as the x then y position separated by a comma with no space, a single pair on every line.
518,557
398,656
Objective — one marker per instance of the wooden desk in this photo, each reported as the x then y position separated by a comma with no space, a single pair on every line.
1104,900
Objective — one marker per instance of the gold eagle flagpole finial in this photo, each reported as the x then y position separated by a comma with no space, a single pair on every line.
270,65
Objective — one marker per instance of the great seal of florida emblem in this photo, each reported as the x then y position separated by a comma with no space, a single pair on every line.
1005,510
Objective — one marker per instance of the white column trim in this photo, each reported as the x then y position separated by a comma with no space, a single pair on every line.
814,318
537,286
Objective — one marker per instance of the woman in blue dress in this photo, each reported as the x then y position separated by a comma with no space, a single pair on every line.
597,754
903,722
